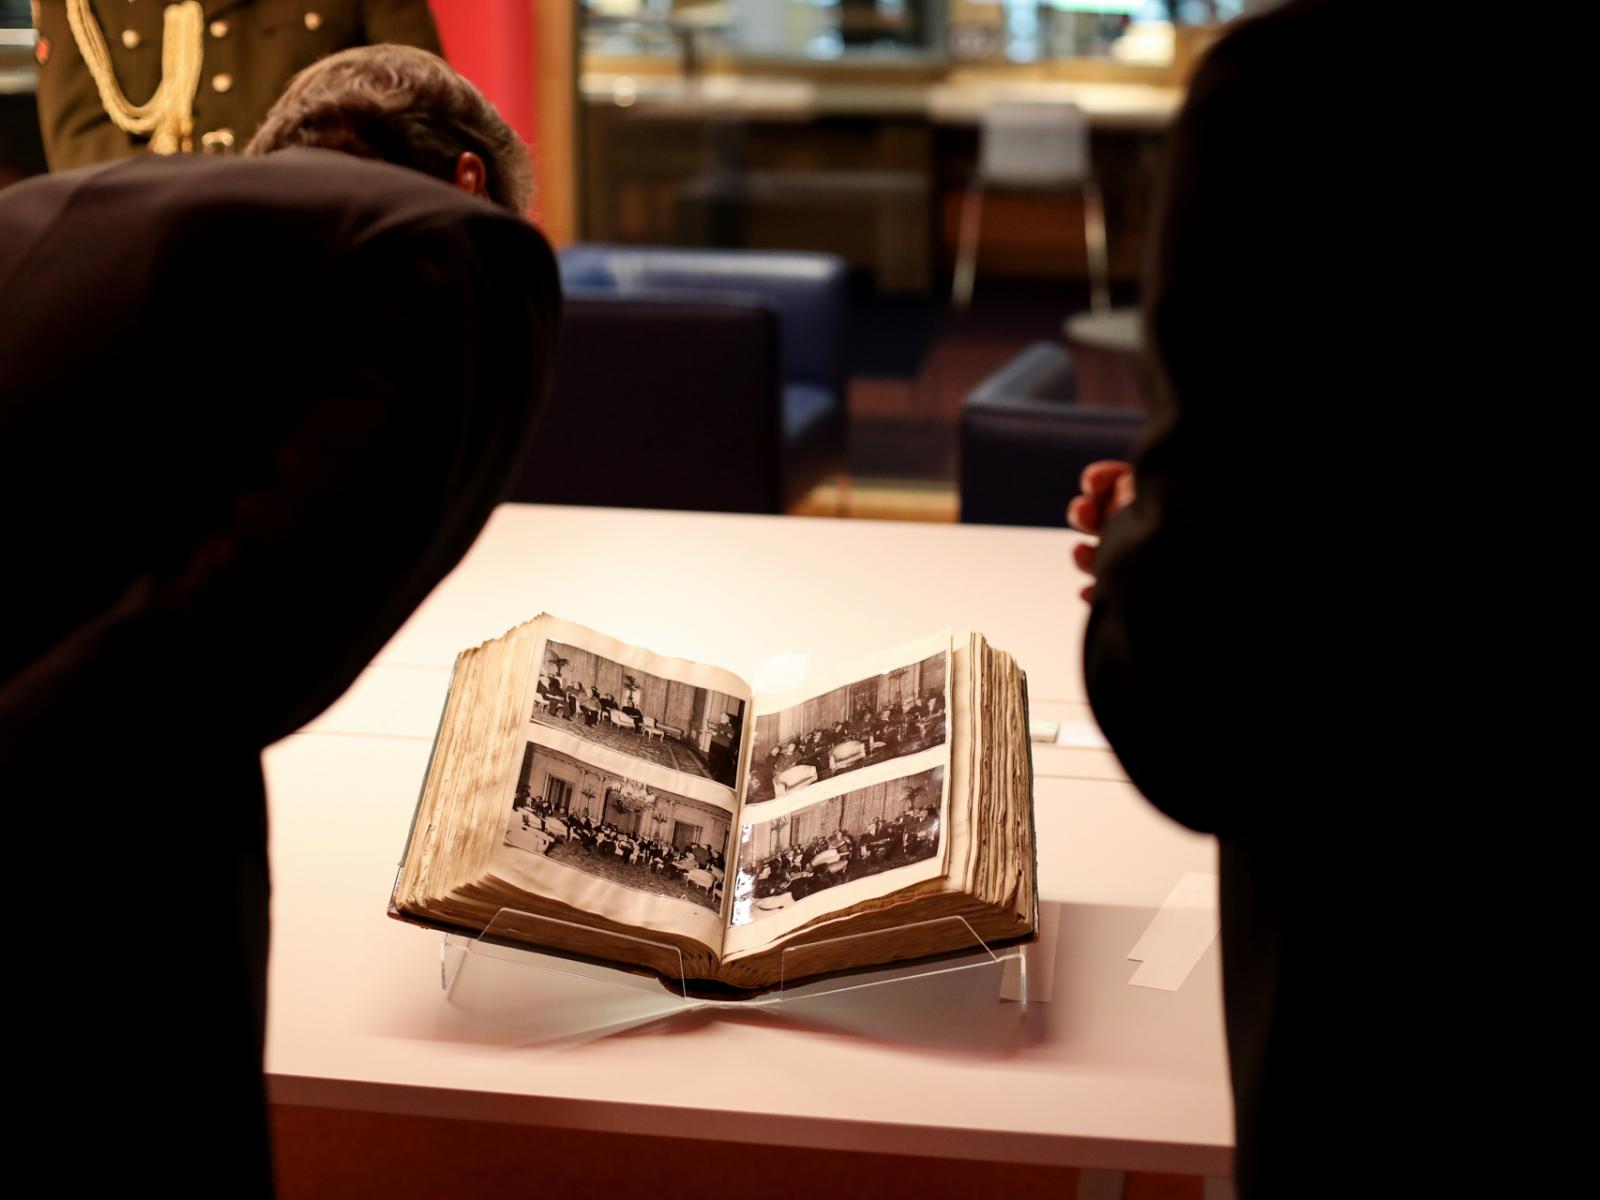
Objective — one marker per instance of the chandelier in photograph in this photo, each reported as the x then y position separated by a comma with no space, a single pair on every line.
633,796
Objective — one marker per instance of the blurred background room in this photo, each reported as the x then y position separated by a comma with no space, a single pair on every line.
847,259
876,258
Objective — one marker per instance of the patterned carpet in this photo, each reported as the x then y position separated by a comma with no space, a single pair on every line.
663,751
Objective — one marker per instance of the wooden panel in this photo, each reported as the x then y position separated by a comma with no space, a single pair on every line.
555,81
328,1155
521,55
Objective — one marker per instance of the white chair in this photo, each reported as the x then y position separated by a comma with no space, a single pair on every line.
618,717
650,730
797,776
846,754
1033,145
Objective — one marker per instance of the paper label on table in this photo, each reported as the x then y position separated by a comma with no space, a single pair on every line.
1179,935
1083,734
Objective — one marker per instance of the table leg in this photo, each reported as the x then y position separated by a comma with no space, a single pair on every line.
1097,1184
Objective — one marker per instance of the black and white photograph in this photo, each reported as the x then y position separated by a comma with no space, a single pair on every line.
607,825
873,720
852,836
675,725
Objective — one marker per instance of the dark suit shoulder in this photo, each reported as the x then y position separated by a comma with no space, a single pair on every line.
346,343
299,187
220,258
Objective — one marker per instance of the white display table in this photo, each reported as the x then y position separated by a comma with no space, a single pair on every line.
1104,1075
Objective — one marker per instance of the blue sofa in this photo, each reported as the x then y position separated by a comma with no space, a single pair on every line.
1025,440
702,379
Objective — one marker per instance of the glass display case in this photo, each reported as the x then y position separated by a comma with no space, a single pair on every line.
958,31
853,126
799,30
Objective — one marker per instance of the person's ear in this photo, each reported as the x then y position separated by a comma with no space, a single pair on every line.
471,175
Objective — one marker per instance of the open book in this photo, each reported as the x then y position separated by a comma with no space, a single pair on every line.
617,791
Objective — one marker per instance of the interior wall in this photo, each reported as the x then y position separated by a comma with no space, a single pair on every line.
520,54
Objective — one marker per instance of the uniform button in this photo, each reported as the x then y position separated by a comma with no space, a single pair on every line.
313,21
222,82
131,38
219,29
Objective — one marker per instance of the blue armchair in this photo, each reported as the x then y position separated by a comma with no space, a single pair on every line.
706,379
1025,440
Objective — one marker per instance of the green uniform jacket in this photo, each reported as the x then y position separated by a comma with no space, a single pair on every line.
252,49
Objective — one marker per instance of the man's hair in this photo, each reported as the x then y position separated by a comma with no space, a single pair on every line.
404,106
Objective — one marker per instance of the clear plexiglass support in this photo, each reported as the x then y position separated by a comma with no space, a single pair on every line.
554,977
507,939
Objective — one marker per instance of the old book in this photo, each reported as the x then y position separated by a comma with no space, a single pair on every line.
621,792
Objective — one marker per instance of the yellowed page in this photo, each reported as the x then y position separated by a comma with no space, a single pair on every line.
620,799
861,813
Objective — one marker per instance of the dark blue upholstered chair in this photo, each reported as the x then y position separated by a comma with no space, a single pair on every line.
1025,440
705,379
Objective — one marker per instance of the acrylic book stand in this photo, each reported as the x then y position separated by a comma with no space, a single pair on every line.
490,973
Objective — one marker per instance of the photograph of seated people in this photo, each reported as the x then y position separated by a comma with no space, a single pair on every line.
854,835
873,720
674,725
618,829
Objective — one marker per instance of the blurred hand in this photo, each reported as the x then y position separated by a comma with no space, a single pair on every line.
1106,488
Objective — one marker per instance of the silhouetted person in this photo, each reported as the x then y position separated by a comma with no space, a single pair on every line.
213,524
1251,652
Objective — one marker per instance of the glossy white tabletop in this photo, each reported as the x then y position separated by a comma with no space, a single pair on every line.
1104,1074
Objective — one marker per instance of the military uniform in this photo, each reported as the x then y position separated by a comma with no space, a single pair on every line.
251,49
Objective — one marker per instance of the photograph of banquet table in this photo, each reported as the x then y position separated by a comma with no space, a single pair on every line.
1105,1075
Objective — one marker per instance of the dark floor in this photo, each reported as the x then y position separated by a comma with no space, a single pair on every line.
914,360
